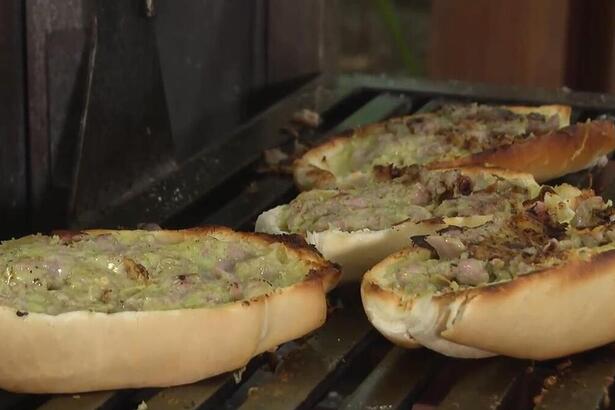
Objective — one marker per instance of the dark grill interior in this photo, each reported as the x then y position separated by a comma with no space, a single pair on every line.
346,363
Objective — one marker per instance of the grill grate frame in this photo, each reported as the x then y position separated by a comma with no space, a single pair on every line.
221,186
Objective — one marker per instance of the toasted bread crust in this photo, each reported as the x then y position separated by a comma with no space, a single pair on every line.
312,170
534,316
538,315
551,155
562,111
84,351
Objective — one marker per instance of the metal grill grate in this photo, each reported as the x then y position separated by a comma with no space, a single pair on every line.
345,364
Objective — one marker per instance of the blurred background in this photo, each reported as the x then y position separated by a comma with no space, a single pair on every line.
546,43
101,99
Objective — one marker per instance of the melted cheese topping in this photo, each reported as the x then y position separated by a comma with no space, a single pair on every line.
416,197
454,131
139,270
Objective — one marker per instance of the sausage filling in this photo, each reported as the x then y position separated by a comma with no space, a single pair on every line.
534,239
414,195
453,131
139,270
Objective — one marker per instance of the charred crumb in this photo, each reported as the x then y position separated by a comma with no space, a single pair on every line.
292,241
464,185
555,230
550,381
564,365
449,193
421,242
306,118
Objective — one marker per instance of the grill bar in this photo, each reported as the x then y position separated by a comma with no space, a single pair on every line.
459,90
204,394
8,400
586,384
396,381
263,192
487,386
303,374
211,168
87,401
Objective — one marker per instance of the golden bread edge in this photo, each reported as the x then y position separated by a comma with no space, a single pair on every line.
86,351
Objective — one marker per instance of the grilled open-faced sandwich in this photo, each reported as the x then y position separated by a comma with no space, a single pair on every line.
110,309
525,139
356,227
539,284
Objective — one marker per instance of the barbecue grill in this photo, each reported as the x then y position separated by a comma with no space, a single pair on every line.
346,363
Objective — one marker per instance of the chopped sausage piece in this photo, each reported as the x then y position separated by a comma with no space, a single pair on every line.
446,247
471,272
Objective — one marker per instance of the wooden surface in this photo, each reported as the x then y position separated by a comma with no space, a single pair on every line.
300,39
520,42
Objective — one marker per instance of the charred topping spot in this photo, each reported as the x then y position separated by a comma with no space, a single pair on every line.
105,295
20,313
389,172
552,228
464,185
449,193
135,271
602,216
420,241
541,195
68,237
